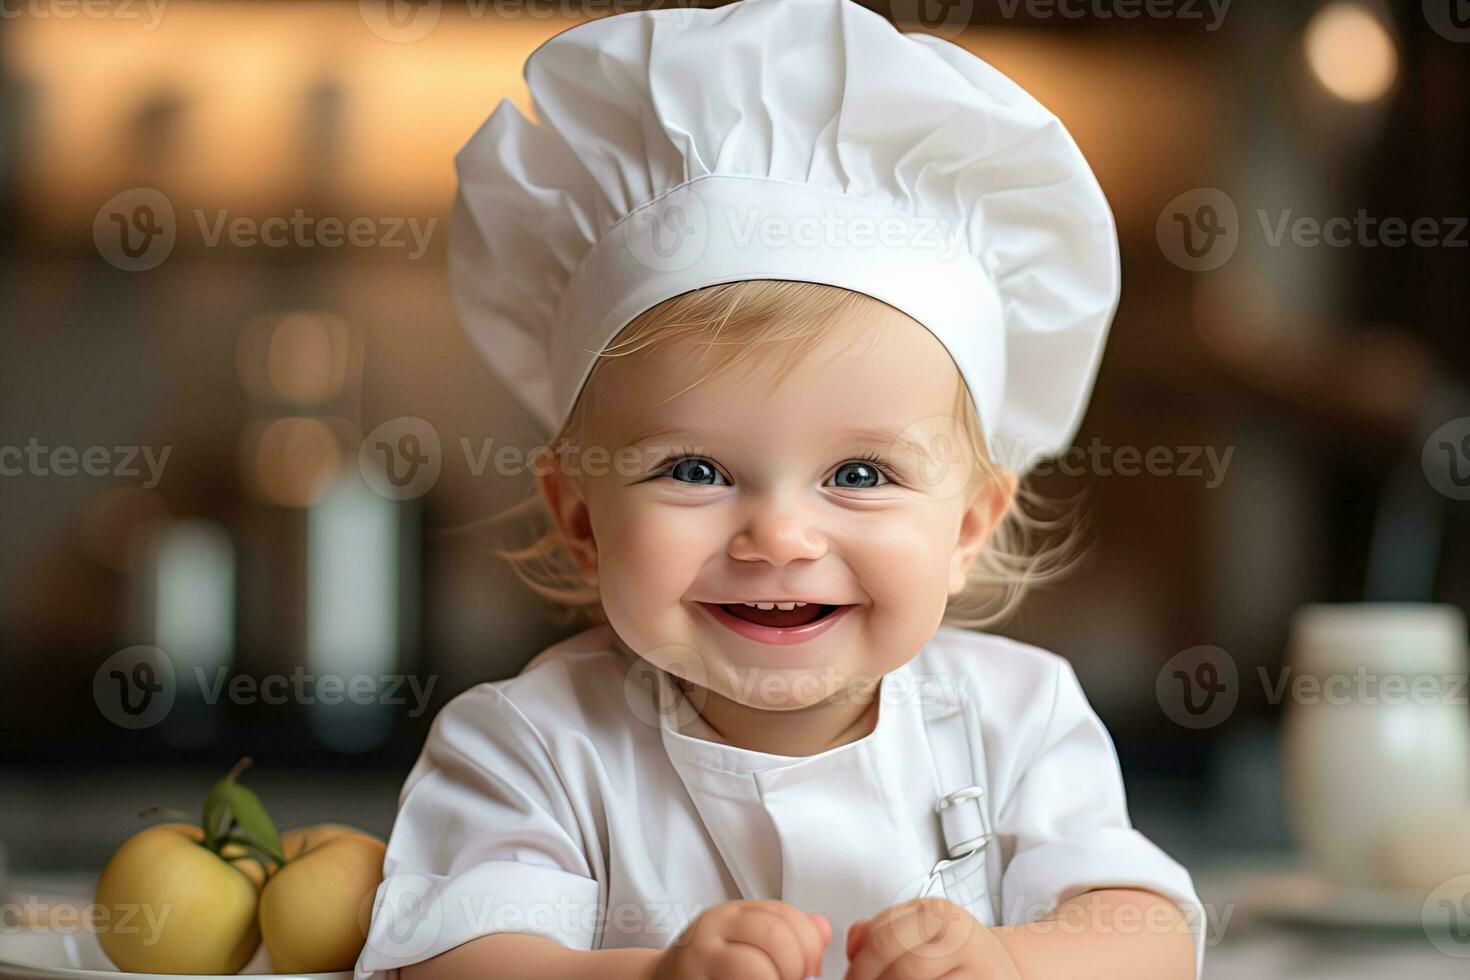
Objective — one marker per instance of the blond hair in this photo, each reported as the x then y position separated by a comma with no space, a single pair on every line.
732,322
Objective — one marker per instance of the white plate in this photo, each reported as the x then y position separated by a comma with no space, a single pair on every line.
55,954
31,950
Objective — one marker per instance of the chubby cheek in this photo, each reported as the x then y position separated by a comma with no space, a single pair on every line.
903,566
647,559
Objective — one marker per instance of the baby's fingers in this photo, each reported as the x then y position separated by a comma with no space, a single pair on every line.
792,939
855,937
823,935
926,933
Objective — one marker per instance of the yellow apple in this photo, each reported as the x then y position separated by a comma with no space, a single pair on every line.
310,916
173,906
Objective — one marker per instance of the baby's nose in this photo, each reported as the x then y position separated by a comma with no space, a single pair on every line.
777,537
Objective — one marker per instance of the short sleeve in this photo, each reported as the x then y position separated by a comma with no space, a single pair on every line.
1069,819
486,840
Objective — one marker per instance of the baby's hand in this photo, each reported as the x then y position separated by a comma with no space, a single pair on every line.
754,940
926,937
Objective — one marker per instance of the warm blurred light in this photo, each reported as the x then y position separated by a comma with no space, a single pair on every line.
353,557
1236,312
113,519
1117,91
1351,52
294,461
307,357
257,108
252,352
191,584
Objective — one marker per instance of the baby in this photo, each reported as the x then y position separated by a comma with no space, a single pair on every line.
798,295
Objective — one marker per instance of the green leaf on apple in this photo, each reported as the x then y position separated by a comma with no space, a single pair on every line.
251,815
230,806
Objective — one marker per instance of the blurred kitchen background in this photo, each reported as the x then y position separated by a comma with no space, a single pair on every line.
193,348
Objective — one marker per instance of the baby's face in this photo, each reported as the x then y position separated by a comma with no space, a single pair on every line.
813,488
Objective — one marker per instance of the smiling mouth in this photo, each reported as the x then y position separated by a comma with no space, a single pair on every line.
778,618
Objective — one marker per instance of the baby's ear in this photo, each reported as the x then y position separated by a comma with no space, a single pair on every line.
569,512
989,504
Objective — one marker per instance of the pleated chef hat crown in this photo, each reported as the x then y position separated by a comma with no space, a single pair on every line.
795,140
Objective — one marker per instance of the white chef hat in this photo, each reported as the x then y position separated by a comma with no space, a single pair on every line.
795,140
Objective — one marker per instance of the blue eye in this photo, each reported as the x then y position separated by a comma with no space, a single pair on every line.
692,469
857,475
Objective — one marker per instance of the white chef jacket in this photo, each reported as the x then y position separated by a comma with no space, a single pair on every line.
562,802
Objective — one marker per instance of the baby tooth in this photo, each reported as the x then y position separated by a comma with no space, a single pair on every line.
785,605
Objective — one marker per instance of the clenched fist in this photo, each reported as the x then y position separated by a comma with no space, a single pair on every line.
923,938
747,940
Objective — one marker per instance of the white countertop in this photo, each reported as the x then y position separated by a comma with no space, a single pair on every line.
1251,945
